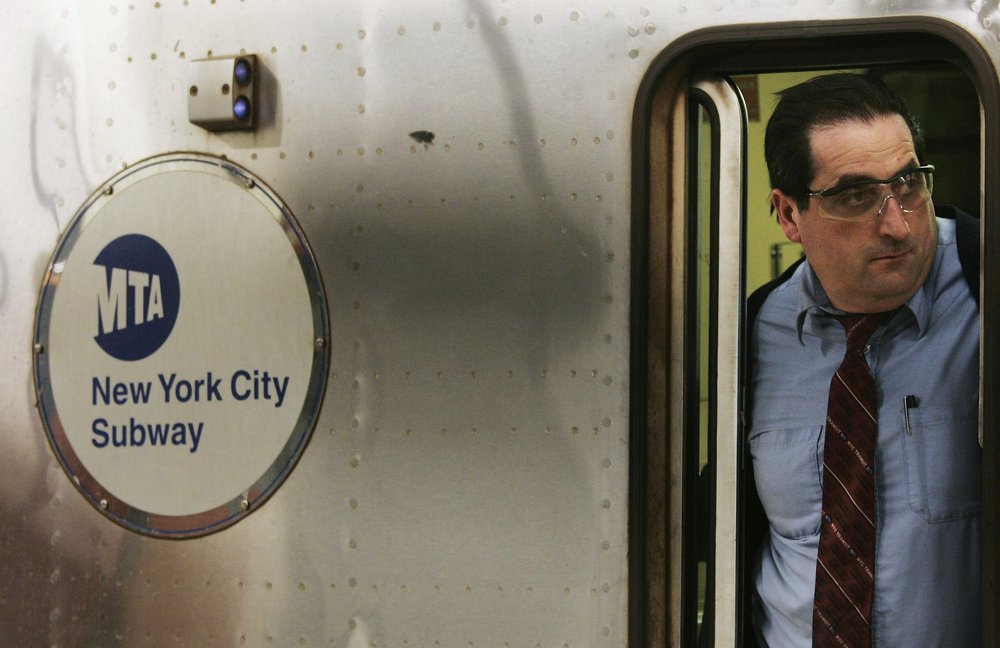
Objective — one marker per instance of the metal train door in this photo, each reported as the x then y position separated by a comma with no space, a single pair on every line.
714,226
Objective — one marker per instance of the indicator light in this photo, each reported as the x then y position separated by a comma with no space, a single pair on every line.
242,108
222,93
242,72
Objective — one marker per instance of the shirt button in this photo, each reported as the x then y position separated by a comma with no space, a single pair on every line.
870,470
854,554
868,349
828,519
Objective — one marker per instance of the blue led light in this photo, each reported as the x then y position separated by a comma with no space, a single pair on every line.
242,72
241,108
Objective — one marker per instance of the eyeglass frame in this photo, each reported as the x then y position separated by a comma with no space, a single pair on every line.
926,169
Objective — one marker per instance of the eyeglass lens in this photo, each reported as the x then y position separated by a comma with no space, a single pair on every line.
911,191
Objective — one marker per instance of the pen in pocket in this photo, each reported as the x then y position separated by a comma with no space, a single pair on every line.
909,402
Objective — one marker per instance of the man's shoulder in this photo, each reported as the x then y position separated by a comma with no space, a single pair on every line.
956,264
961,230
783,289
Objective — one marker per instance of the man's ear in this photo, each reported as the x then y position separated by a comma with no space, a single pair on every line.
788,214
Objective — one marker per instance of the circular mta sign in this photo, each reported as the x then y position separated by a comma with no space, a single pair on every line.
181,346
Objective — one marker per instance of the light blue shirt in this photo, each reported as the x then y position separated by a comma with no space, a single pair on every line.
928,500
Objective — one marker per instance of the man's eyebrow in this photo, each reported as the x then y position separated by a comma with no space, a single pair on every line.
852,178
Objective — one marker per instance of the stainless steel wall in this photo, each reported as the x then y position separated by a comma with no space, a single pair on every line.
467,482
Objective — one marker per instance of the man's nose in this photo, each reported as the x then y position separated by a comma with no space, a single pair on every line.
892,218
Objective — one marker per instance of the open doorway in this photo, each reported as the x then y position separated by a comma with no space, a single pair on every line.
700,251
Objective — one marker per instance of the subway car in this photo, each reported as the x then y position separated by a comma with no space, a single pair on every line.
461,364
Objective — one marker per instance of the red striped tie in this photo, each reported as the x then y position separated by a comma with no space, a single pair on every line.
845,566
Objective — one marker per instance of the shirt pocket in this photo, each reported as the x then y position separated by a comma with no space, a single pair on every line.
943,465
787,466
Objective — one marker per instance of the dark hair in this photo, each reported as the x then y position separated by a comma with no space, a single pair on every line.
821,101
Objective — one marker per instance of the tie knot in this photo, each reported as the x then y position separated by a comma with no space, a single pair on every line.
860,327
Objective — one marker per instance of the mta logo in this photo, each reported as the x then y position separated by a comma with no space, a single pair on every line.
138,298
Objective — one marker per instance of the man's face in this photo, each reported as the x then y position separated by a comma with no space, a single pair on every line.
875,265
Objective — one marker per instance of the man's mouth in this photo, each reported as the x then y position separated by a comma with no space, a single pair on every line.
892,256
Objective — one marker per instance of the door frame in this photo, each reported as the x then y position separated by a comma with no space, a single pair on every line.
658,266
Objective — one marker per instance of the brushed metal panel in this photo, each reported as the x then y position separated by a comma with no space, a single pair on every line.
467,483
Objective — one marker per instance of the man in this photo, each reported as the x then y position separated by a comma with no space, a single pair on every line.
875,544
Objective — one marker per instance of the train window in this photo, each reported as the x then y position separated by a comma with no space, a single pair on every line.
706,239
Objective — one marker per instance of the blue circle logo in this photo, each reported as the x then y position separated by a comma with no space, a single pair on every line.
138,301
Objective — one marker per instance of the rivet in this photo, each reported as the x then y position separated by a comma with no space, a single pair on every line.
40,348
320,343
103,504
249,183
244,505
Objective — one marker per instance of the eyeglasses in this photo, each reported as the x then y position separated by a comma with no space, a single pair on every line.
865,199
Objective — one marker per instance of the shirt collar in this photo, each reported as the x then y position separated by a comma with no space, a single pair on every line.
816,312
